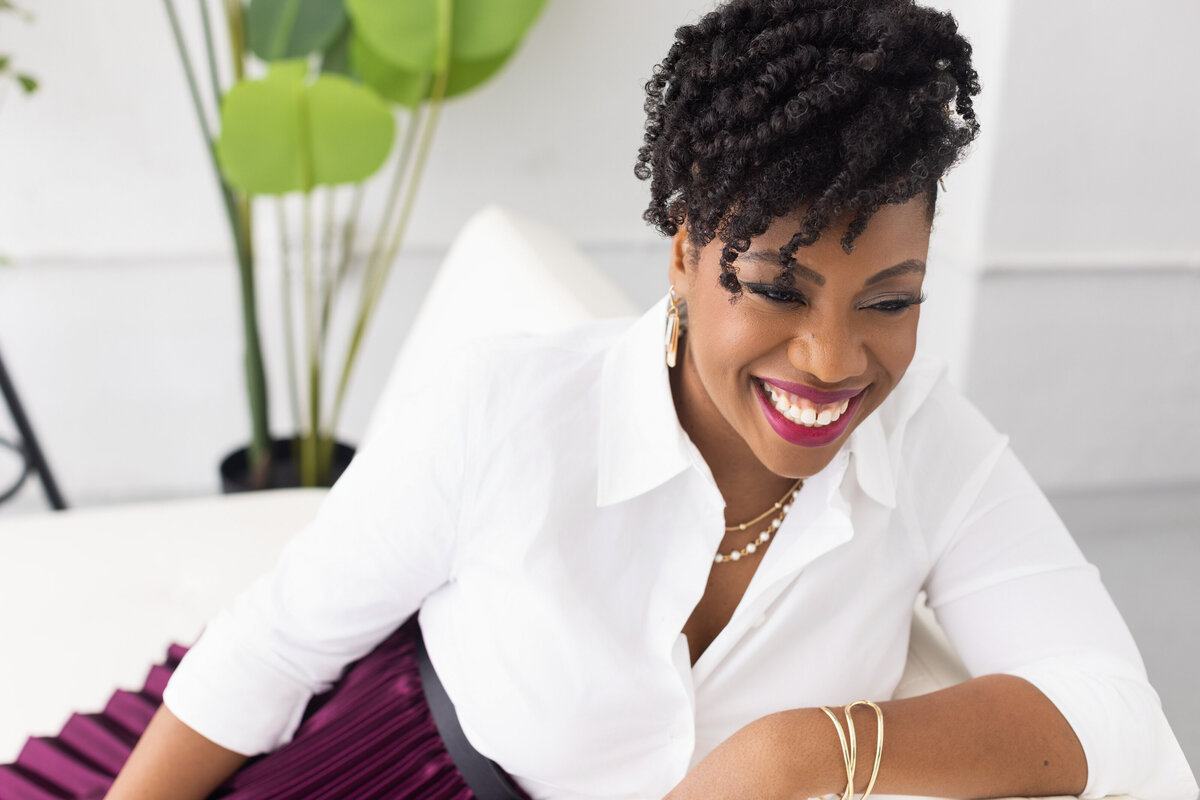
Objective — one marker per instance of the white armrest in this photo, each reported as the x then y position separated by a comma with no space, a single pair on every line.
90,599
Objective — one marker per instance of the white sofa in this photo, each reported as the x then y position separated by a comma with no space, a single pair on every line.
89,599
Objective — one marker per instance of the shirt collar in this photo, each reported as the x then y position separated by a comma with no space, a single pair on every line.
875,446
642,445
873,467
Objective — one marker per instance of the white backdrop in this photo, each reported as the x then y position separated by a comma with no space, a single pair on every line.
120,320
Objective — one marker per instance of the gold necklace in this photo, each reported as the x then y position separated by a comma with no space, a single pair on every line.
777,512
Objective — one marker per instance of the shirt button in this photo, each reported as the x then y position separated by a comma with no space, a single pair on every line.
681,730
758,622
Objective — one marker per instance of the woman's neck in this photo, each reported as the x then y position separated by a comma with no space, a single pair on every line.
747,486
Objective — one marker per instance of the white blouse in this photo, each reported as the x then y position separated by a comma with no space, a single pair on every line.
540,504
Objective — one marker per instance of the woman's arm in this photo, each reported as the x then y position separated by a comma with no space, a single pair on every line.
993,736
173,762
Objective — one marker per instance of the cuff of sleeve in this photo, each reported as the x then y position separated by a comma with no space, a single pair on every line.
221,691
1118,719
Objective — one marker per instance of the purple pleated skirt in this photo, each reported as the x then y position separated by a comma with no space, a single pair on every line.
371,735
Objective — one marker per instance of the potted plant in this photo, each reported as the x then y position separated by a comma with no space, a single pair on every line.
334,78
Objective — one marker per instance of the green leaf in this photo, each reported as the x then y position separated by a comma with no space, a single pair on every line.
487,29
287,71
28,83
3,63
260,148
5,261
409,88
281,134
466,75
404,33
391,82
293,28
351,130
336,58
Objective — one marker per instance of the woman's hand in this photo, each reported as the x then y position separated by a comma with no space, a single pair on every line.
764,760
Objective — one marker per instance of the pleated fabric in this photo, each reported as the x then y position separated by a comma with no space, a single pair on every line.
370,736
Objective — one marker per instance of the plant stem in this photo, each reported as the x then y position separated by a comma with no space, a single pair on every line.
237,37
289,317
349,227
327,277
212,58
237,210
375,257
407,147
309,468
377,274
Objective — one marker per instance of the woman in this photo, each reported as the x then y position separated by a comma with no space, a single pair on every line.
642,572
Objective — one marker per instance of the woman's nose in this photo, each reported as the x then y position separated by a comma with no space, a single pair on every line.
829,350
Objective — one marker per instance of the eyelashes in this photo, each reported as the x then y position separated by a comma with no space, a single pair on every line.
892,305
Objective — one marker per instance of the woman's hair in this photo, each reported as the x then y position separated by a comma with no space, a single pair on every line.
767,106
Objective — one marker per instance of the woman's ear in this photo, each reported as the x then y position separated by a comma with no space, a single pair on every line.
682,255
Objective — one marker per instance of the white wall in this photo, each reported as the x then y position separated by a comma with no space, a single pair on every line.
120,322
106,161
1088,342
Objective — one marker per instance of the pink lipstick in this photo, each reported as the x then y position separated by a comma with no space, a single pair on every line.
816,395
805,435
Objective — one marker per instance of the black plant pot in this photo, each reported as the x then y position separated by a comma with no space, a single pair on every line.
235,477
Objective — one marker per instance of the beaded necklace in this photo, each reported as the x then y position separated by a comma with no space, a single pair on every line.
777,512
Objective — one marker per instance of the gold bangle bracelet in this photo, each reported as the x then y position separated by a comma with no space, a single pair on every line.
849,793
878,740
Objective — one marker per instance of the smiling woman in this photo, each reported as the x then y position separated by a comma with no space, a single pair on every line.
646,571
837,334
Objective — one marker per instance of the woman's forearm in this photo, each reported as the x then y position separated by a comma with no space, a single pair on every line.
173,761
994,736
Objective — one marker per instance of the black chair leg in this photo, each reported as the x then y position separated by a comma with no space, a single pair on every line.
27,447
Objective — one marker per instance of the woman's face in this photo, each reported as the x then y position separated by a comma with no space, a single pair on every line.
783,376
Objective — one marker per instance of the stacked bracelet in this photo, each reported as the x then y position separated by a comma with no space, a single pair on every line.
849,743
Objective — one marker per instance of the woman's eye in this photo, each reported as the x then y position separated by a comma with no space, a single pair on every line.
775,294
894,305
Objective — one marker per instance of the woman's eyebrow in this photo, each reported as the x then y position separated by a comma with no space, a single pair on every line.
903,268
772,257
811,275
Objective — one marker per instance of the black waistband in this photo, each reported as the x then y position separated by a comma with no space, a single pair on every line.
485,777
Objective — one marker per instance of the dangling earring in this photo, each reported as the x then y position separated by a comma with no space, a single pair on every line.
672,335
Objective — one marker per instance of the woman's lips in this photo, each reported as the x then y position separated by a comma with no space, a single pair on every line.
815,395
797,432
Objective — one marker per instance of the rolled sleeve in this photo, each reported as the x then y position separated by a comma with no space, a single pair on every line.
1015,595
383,539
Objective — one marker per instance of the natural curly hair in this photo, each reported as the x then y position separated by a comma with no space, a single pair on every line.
767,106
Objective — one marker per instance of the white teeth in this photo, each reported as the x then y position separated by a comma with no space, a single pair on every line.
801,411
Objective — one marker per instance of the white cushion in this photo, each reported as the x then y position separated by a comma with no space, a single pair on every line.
89,599
504,274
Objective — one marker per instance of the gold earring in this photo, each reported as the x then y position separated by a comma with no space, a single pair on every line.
672,334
